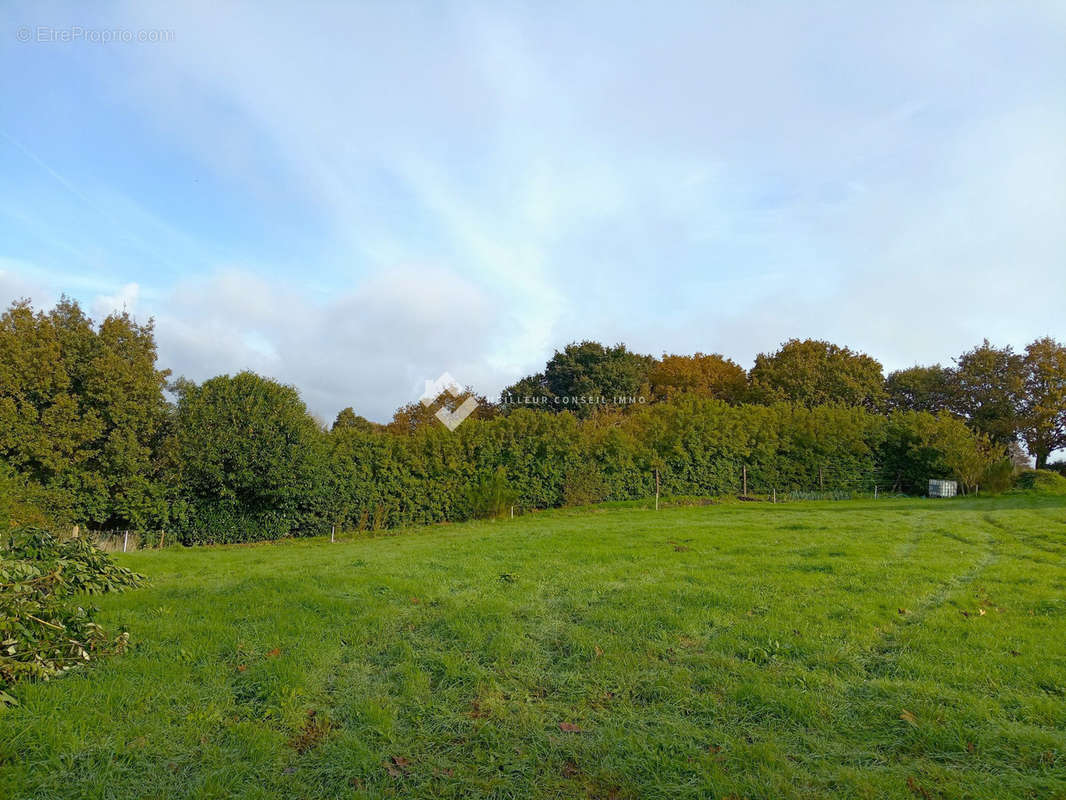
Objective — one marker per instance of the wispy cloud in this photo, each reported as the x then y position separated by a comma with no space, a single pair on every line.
306,189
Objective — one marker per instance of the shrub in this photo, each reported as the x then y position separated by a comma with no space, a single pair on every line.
251,462
584,487
491,497
999,477
1043,481
43,630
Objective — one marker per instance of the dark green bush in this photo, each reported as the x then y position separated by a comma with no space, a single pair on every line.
252,462
584,487
43,629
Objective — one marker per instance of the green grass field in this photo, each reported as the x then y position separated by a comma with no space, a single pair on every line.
898,648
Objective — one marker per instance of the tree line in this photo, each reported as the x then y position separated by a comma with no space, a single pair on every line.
93,432
1012,398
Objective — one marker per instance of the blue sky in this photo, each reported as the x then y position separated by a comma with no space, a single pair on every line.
356,197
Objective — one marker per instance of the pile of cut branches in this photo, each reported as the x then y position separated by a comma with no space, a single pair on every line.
44,629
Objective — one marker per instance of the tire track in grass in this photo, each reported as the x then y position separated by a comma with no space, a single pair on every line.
1030,542
883,652
904,549
863,696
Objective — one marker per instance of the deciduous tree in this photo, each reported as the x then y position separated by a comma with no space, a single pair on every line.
989,391
413,417
348,419
917,388
1044,404
82,411
584,376
811,373
705,375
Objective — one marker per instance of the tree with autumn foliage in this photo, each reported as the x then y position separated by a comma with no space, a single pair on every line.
705,375
416,416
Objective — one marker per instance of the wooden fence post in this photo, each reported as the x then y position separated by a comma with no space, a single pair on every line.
333,534
656,490
125,541
745,480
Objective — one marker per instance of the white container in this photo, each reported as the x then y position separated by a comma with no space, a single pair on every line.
942,488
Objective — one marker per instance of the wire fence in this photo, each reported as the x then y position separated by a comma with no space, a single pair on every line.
830,481
123,541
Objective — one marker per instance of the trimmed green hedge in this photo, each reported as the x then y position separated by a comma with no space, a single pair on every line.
698,446
366,479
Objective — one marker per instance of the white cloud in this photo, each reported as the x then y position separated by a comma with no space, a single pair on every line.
371,347
702,178
124,300
16,284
